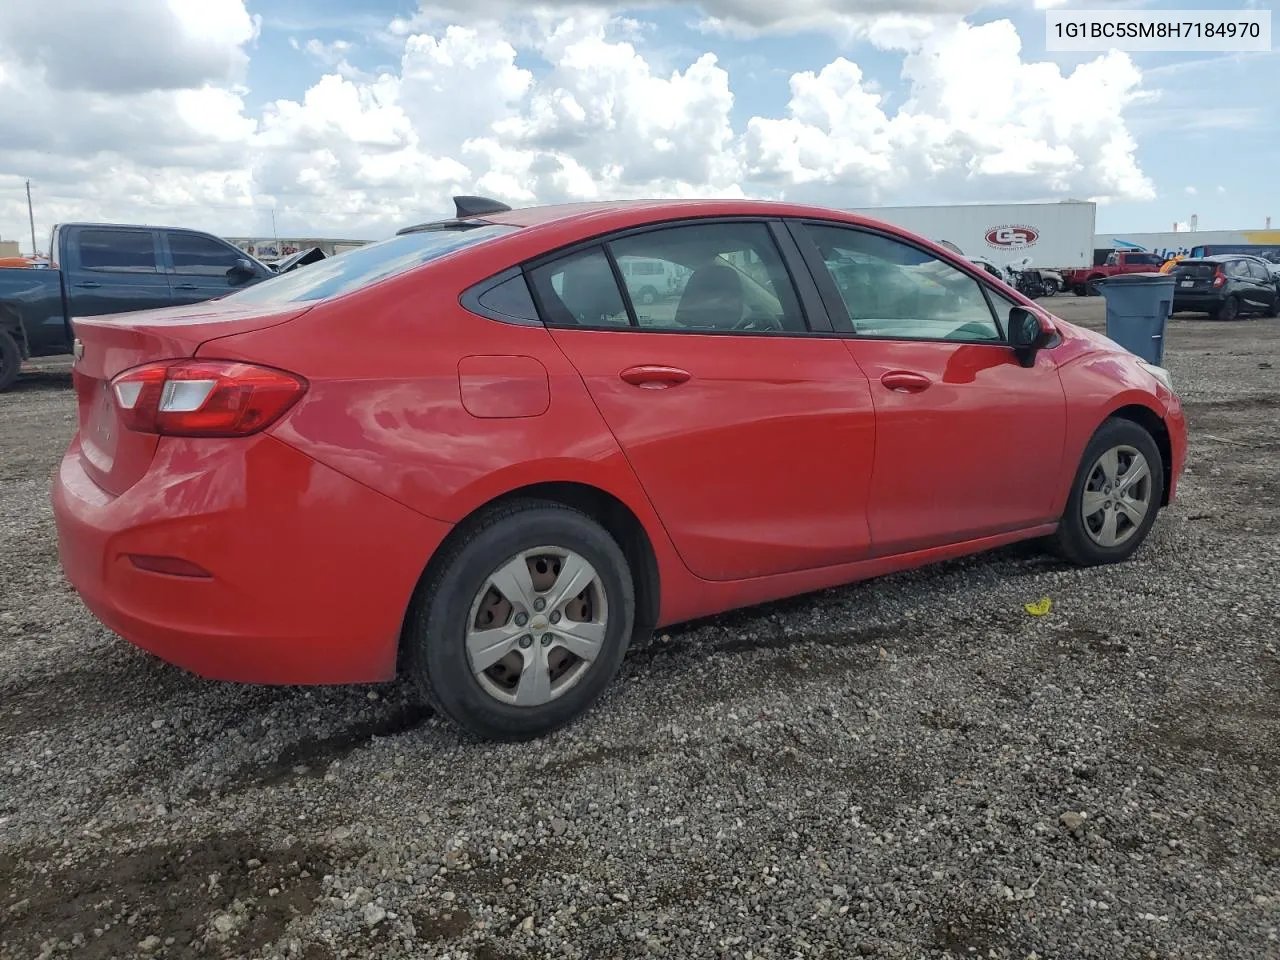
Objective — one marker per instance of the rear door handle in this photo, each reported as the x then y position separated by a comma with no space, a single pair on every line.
88,283
904,381
654,376
186,286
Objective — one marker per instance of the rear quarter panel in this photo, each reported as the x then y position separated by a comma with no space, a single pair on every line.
385,405
33,300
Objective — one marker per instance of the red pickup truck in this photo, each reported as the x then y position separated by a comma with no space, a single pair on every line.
1082,282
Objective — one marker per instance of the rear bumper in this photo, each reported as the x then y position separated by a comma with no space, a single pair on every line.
310,573
1198,303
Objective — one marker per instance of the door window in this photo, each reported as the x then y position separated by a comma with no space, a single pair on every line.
117,251
709,277
201,256
580,290
894,290
1258,271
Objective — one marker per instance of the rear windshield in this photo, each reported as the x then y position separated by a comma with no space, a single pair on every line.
1192,270
365,265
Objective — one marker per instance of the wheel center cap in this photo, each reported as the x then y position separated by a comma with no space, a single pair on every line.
538,624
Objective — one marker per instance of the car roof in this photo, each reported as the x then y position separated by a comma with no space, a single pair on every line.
611,213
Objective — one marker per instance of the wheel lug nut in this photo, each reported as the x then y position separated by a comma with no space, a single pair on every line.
546,639
521,619
539,604
555,617
526,641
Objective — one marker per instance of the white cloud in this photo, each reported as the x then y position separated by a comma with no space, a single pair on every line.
554,105
1190,191
127,46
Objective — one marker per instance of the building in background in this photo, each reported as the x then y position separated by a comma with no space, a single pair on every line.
1182,242
274,249
9,248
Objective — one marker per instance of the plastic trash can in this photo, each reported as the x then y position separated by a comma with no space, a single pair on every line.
1138,308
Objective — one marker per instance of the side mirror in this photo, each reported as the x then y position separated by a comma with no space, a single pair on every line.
241,271
1028,334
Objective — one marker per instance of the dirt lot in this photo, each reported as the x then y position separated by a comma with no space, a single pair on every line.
904,768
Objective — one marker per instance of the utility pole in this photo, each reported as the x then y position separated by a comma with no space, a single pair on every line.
274,236
32,217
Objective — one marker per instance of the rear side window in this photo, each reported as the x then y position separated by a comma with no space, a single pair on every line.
365,265
117,251
201,256
580,290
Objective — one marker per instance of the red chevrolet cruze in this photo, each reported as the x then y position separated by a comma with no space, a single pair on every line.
494,449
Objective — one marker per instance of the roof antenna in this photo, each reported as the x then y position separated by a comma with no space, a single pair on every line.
477,207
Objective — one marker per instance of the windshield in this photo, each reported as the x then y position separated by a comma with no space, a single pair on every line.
364,265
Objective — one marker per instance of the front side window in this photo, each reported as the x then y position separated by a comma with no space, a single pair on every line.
711,277
117,251
894,290
201,256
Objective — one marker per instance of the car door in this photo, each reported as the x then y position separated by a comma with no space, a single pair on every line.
1262,287
114,270
751,431
202,267
968,442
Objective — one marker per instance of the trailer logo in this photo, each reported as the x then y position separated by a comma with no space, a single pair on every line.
1012,236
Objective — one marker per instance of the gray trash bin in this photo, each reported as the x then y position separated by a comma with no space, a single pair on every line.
1138,308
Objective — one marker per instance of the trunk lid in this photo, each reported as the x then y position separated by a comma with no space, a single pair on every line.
114,456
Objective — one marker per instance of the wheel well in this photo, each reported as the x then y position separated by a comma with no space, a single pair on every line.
11,322
1151,422
607,510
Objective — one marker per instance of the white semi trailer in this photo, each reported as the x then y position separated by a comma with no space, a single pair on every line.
1053,235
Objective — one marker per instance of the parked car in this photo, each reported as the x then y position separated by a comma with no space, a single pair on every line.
1225,287
102,268
1083,282
467,452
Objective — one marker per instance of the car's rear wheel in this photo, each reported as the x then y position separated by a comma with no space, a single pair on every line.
1229,310
1115,496
10,359
1274,309
524,622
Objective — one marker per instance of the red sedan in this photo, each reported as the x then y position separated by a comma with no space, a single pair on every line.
494,449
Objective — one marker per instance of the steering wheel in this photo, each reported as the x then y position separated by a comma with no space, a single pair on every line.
758,321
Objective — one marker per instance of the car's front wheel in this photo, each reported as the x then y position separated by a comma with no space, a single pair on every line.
1115,496
524,622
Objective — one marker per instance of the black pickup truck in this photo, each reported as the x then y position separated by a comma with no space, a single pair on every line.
100,269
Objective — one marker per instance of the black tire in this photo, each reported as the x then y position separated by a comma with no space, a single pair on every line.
1230,310
1091,288
1079,290
1049,288
1072,540
647,296
436,654
10,359
1274,309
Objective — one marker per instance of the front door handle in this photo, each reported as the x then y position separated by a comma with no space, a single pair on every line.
91,284
186,286
654,376
904,381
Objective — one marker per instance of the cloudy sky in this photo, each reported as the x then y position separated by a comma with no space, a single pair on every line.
352,117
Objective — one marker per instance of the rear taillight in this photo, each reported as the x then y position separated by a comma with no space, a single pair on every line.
1219,278
204,398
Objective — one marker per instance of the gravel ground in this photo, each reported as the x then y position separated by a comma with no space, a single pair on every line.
911,767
